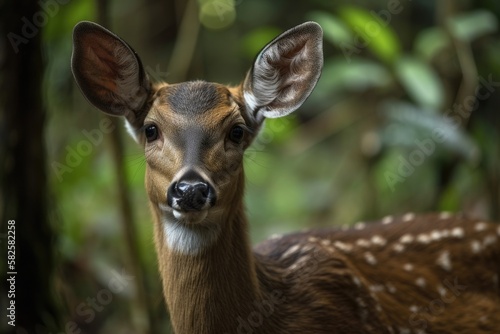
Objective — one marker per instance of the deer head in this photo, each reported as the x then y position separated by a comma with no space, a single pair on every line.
194,134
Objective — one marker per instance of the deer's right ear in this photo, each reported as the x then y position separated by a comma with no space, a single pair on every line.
109,73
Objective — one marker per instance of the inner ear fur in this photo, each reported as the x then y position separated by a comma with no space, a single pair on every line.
285,72
110,73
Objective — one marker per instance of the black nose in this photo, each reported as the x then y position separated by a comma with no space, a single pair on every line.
190,193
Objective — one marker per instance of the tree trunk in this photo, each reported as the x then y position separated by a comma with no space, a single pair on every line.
23,196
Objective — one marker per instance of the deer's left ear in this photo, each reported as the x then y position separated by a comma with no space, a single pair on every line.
284,73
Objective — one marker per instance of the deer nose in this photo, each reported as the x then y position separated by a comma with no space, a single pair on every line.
190,193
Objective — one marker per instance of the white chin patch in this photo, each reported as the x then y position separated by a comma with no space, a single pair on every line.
190,217
187,232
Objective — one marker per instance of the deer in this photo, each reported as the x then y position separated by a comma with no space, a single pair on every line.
406,273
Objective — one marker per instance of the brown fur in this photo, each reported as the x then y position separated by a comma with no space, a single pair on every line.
463,299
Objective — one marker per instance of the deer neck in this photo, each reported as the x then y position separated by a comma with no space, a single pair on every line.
207,292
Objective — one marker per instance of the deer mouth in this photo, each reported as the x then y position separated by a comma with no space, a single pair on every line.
183,216
190,217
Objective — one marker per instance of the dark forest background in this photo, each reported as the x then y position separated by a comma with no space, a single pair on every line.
405,118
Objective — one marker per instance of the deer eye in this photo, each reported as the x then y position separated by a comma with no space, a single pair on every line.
151,133
236,134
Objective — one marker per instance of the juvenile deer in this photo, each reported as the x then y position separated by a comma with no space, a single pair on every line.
435,273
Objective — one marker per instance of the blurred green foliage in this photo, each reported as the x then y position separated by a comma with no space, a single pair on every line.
391,80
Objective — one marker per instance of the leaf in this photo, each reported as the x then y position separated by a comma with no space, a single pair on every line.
414,127
430,41
217,14
371,32
472,25
65,16
359,75
421,82
334,29
254,41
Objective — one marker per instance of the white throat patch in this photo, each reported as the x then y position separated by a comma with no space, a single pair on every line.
188,239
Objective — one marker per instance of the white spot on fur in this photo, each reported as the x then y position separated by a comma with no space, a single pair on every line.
330,250
441,290
421,282
387,220
398,247
406,239
475,246
377,288
445,215
423,239
363,313
360,226
444,261
457,232
481,226
435,235
343,246
298,263
312,239
363,243
483,319
370,259
293,249
413,308
325,242
361,302
304,258
308,248
378,240
489,240
356,281
391,288
409,216
408,267
445,233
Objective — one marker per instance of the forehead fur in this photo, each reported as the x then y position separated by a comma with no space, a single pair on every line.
194,97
